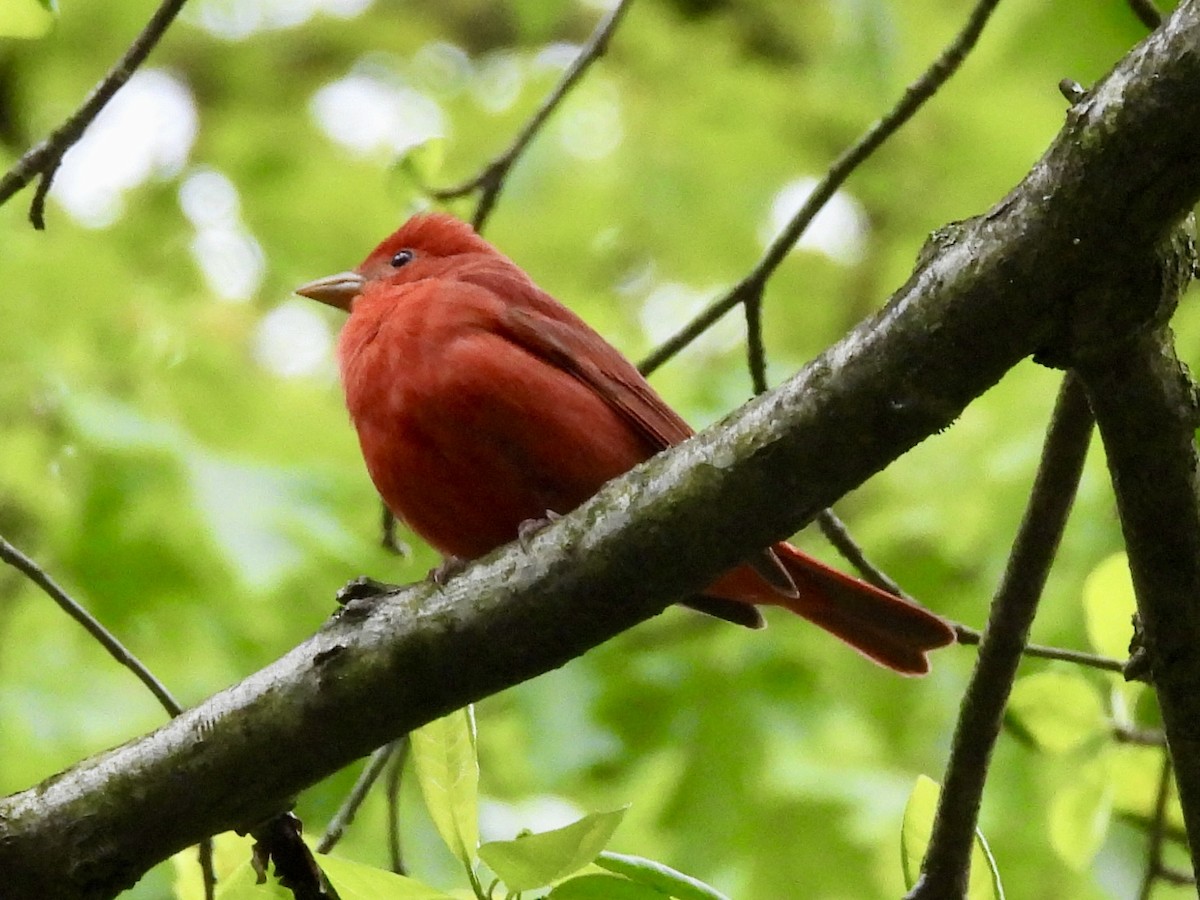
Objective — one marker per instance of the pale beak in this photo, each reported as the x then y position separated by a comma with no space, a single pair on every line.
336,290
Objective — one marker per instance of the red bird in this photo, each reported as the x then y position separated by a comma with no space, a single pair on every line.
482,403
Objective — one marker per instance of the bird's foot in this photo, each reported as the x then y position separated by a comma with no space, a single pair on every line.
446,569
527,529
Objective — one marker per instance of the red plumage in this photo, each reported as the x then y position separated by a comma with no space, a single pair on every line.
481,402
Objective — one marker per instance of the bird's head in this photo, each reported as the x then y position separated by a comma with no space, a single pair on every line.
427,245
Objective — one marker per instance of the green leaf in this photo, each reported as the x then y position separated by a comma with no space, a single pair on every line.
1109,604
354,881
916,830
237,880
447,770
1058,710
604,887
536,860
1080,813
656,875
27,18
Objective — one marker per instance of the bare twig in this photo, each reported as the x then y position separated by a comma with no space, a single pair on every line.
756,353
914,97
490,179
45,158
1154,850
395,772
118,651
106,639
968,635
947,863
349,809
837,534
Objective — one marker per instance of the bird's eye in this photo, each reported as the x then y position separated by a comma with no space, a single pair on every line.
403,258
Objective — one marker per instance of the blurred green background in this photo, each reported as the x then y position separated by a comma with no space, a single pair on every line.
176,452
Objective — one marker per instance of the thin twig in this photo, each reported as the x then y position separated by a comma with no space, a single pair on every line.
44,159
349,809
914,97
837,534
968,635
118,651
1154,849
1146,12
395,773
947,863
756,353
490,179
32,571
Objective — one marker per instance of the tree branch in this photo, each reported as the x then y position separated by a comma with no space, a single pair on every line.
45,158
1146,408
104,637
749,289
947,864
490,180
986,294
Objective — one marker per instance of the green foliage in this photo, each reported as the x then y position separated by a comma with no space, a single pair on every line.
447,770
180,459
26,18
536,860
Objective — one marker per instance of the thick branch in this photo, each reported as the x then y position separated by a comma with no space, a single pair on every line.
1146,410
987,294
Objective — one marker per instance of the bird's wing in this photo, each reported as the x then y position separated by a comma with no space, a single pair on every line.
573,347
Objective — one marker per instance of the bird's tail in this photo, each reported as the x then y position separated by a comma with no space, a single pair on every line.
892,631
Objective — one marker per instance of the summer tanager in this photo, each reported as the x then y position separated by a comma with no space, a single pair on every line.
483,404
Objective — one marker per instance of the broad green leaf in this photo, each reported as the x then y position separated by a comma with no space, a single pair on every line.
1080,813
536,860
26,18
447,769
1108,605
604,887
656,875
1058,710
354,881
916,830
237,880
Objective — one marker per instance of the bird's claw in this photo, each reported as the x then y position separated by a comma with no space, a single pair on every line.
527,529
446,569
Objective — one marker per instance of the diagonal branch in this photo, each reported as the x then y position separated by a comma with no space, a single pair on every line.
104,637
749,289
1145,406
947,864
490,180
45,158
987,294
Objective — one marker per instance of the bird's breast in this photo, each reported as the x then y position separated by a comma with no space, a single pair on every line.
466,434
